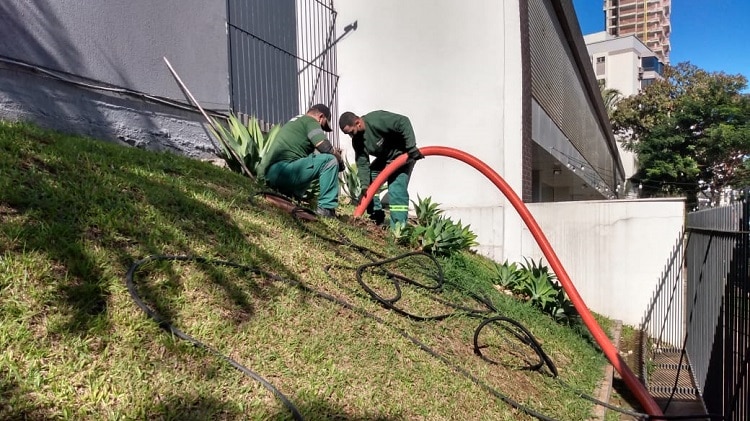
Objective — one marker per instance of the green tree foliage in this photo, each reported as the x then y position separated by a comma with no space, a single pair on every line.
611,98
690,131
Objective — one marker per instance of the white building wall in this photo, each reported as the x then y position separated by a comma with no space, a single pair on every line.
613,251
622,72
623,60
455,71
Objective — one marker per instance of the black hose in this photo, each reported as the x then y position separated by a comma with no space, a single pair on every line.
396,280
166,325
518,330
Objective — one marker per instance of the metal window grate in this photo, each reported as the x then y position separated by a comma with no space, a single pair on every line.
281,57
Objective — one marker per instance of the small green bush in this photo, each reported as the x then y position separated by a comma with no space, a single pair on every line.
427,211
534,282
349,181
508,275
433,232
248,142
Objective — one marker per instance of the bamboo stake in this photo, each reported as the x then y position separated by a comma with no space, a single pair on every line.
210,122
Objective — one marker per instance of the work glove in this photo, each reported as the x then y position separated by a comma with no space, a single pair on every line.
414,155
342,164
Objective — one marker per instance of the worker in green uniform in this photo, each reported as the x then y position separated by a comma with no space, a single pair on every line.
384,135
291,164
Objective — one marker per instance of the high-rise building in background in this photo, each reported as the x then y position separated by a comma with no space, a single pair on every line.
649,20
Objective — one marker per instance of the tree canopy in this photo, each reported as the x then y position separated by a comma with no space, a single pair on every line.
690,132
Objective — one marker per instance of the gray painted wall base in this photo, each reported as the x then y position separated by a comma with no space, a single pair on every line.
58,105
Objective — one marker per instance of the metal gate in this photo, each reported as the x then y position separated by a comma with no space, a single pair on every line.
707,313
718,338
281,57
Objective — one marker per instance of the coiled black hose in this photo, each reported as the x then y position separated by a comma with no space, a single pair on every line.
516,331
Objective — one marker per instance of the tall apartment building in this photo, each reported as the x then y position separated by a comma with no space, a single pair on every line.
649,20
626,64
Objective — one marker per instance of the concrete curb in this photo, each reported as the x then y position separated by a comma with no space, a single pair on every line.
604,389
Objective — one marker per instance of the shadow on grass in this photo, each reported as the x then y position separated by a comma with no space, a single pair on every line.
324,411
93,208
625,398
15,404
200,408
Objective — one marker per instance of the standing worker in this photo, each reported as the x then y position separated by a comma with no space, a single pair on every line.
384,135
290,165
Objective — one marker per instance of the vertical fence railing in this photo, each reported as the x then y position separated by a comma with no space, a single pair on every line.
663,326
316,72
718,319
262,58
281,58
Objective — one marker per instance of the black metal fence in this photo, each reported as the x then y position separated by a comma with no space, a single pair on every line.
281,57
663,324
702,319
664,365
718,292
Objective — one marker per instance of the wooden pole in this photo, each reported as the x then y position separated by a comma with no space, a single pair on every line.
208,119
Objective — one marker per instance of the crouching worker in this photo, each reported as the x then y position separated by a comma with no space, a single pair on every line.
290,164
385,136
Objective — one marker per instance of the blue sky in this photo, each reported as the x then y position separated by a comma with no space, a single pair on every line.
711,34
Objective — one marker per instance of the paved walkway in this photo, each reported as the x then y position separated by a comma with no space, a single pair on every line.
685,400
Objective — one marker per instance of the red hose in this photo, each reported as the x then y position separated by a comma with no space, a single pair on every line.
632,382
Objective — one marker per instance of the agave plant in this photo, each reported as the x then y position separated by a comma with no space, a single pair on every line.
349,181
402,232
443,236
427,211
508,275
435,233
248,142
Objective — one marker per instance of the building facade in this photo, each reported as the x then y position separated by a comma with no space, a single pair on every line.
97,69
627,65
508,82
648,20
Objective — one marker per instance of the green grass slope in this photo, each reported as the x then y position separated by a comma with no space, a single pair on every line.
76,213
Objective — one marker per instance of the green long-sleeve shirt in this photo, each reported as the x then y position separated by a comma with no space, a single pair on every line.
386,136
296,140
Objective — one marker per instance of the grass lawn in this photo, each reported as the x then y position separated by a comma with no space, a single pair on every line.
76,213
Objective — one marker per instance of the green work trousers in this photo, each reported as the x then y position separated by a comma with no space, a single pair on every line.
293,178
398,193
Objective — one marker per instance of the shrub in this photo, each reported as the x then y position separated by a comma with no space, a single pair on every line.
349,181
427,211
433,232
248,142
508,275
534,282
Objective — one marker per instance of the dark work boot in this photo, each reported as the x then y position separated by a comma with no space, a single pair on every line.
378,216
326,213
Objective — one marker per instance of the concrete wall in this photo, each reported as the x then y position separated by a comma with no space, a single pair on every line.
120,44
61,106
613,251
455,70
